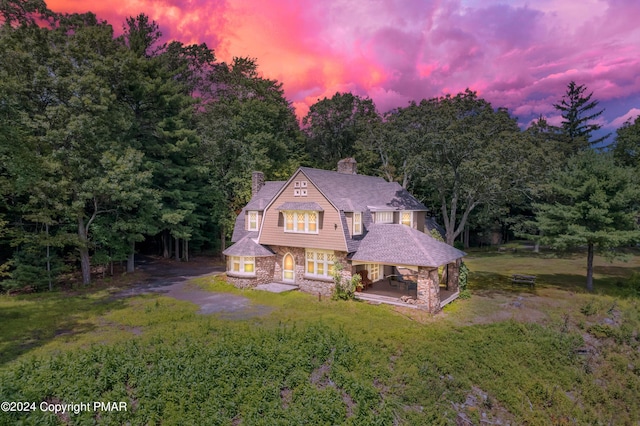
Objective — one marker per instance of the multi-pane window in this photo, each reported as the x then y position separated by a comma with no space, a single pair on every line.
241,265
252,223
301,221
384,217
406,218
357,223
320,263
373,271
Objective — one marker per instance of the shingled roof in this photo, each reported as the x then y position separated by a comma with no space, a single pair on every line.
248,247
258,202
399,244
349,192
265,195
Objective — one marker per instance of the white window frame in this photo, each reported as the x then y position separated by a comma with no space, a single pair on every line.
384,216
249,227
410,224
242,262
373,271
302,217
319,263
357,223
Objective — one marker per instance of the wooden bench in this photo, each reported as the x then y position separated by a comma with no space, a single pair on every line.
524,279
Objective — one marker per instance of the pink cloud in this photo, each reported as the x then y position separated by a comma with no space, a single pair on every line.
628,116
519,54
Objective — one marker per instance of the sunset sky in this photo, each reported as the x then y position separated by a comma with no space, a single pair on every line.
517,54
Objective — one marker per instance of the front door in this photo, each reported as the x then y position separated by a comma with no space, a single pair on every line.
288,268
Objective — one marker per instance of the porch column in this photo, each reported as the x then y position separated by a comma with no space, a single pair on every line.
453,273
429,289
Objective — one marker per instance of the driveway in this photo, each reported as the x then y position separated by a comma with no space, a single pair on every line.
170,278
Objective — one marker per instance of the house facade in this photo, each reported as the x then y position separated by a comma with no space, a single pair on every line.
296,231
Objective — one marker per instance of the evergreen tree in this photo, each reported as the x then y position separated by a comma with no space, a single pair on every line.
577,111
592,203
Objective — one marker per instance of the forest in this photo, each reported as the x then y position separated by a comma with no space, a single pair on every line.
115,144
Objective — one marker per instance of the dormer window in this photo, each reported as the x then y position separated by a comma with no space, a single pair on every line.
252,221
305,222
357,223
406,218
384,217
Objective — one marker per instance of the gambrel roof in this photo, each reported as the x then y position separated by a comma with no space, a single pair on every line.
351,193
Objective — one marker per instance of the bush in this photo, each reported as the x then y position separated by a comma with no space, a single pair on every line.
345,288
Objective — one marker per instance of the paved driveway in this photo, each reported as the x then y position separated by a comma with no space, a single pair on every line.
170,279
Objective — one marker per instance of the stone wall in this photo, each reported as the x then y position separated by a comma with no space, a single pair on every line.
429,289
307,284
264,274
453,273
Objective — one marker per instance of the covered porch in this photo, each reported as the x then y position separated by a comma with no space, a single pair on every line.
399,286
397,261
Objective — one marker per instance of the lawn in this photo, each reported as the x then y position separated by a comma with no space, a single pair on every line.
549,355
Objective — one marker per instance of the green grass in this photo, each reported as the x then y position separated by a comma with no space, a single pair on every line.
551,355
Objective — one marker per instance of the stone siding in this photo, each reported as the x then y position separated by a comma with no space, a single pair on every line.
264,274
453,275
429,289
307,284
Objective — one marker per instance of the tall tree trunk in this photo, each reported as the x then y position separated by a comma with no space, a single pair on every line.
131,267
590,267
466,237
85,262
49,259
223,240
178,249
166,244
536,247
185,250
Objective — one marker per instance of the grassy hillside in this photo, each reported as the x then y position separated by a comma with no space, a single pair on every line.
549,355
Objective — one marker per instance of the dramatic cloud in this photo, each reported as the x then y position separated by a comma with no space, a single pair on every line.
517,54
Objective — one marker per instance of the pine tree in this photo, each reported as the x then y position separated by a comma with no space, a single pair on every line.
577,111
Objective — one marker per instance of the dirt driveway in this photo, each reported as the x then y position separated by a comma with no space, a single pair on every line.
170,278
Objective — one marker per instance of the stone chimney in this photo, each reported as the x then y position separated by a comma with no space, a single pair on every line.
348,166
257,182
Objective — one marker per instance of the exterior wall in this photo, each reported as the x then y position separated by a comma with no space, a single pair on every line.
419,219
349,218
329,236
264,274
429,289
307,284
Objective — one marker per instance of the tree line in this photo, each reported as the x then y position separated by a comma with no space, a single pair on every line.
109,141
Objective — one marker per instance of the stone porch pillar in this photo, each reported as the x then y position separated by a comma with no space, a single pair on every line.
429,289
453,273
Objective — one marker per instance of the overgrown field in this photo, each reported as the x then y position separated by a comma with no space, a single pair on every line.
551,355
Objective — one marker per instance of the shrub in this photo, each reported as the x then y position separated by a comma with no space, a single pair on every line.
345,288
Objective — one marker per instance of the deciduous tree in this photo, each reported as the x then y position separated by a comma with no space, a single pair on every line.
626,147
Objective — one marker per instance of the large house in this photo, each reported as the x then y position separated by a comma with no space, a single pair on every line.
296,231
